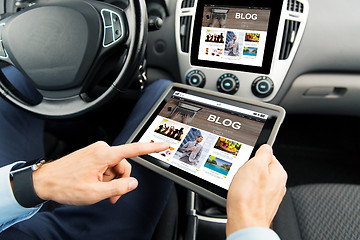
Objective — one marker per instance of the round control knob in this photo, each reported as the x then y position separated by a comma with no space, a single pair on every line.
196,78
228,83
262,87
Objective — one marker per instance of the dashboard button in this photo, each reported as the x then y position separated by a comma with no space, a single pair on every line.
262,87
196,78
228,83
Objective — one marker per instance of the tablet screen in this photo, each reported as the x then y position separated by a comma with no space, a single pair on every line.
209,139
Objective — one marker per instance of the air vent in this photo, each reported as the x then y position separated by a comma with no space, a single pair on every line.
187,3
295,6
185,26
290,31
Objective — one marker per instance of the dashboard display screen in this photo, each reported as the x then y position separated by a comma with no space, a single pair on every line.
234,37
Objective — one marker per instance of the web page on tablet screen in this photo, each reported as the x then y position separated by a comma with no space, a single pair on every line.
208,139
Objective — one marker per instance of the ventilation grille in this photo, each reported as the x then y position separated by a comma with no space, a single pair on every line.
185,26
290,31
187,3
295,6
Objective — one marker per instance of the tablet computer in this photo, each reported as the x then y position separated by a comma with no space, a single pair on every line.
211,136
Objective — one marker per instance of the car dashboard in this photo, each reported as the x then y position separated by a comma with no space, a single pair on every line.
312,70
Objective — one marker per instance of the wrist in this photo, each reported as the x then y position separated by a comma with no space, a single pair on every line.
41,187
21,178
236,224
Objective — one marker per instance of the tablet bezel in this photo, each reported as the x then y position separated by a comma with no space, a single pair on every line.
274,19
201,186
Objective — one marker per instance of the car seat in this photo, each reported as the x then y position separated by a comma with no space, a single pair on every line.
319,211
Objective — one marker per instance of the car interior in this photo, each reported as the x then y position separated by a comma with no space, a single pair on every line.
306,65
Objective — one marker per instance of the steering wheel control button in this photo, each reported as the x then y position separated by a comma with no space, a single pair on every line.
108,36
228,83
196,78
262,87
107,18
113,27
117,26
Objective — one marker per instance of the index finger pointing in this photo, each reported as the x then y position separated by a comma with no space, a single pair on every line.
136,149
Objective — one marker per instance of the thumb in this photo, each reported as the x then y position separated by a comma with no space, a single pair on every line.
264,149
264,153
118,187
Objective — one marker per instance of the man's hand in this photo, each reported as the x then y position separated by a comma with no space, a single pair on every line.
91,174
256,192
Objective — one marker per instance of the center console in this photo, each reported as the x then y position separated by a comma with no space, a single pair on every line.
244,48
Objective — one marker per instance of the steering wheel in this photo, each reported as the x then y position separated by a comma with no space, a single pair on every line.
77,53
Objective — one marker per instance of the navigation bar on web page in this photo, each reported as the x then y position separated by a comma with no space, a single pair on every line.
220,105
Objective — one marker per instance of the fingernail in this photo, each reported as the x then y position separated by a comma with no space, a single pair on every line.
268,147
133,184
